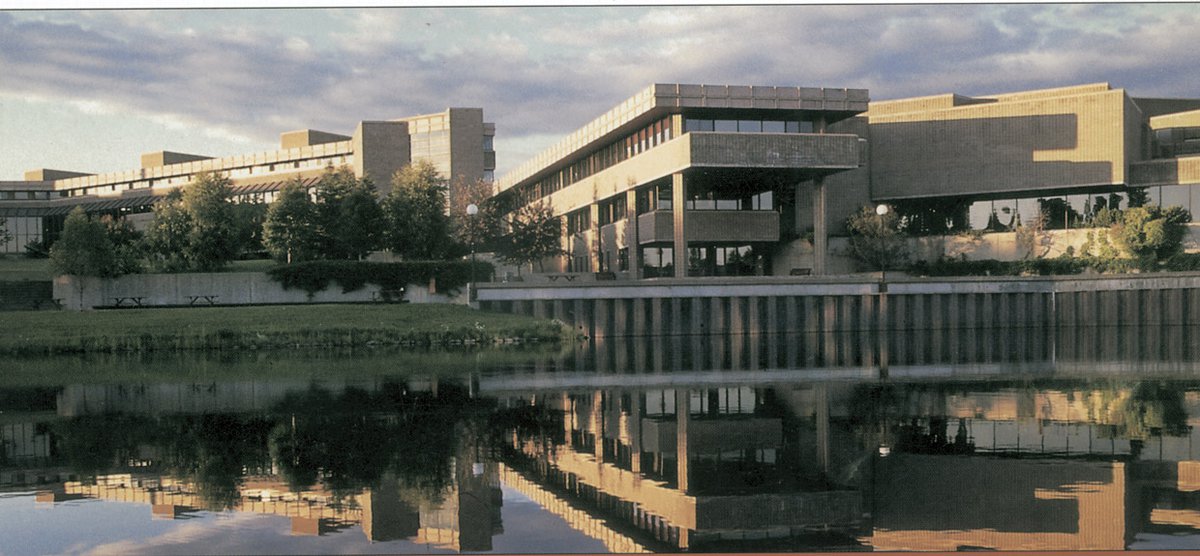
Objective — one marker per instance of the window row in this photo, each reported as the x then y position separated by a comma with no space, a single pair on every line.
618,151
311,163
748,126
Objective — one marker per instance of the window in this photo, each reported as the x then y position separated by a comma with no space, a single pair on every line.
623,259
725,125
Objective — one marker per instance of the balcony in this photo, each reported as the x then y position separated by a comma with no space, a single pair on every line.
711,226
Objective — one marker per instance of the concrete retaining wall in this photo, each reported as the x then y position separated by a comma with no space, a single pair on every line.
854,303
227,288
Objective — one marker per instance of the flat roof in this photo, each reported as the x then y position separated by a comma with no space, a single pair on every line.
669,98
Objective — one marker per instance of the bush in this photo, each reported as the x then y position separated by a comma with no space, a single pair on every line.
314,276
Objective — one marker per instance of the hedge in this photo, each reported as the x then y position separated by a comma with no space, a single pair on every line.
315,276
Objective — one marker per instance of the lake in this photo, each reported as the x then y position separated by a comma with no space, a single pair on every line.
1013,439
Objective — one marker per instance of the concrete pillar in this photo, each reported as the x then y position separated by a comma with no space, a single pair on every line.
639,317
677,316
683,409
540,309
679,226
718,323
635,430
558,308
596,419
595,246
820,231
603,316
821,401
620,317
631,235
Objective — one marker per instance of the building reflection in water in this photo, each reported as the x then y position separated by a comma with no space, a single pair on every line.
647,449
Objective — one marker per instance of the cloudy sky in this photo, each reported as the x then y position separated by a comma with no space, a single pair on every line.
91,90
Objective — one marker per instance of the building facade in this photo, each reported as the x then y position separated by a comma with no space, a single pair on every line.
457,141
700,180
692,180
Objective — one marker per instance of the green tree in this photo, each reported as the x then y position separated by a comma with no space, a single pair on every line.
213,239
876,241
535,234
165,242
290,230
417,227
1151,233
127,244
5,236
350,220
84,249
195,228
481,230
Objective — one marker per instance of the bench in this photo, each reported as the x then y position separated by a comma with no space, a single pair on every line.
133,300
209,299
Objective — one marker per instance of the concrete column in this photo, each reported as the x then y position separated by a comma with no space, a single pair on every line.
597,424
635,430
631,235
621,317
821,399
539,309
820,232
639,317
596,244
683,410
602,312
679,226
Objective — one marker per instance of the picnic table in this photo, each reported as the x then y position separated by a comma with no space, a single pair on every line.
209,299
133,300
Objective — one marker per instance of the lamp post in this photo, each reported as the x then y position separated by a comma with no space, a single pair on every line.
881,322
472,210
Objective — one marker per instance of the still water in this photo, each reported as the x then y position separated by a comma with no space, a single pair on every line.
1002,439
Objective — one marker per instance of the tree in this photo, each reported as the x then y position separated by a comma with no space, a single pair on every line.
290,229
876,241
350,220
213,239
167,236
84,249
5,236
417,227
1032,237
195,228
127,244
481,230
535,235
1151,233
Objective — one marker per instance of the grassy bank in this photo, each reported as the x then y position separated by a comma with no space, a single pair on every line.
271,327
314,364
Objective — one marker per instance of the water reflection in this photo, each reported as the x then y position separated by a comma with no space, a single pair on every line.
662,445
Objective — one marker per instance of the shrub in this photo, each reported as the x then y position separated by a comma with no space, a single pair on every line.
314,276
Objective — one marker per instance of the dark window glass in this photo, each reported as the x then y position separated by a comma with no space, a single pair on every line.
806,127
725,125
773,127
749,126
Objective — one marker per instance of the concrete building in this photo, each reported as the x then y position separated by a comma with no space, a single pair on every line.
699,180
457,141
1006,152
693,179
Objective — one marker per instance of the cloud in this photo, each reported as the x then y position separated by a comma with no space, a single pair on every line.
542,72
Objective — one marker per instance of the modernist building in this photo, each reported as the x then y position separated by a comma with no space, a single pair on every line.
698,180
457,141
693,179
1071,143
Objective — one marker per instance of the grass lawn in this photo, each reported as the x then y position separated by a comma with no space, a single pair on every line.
20,268
261,327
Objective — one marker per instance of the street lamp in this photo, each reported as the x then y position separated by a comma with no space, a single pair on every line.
472,210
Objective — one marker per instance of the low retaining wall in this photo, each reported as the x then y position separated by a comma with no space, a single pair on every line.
852,303
221,288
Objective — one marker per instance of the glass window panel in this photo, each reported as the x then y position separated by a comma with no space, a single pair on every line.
749,126
773,127
806,127
691,125
792,127
725,125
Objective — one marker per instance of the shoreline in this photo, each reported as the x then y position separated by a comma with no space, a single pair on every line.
256,328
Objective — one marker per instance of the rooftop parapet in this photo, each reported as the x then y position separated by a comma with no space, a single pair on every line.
666,98
308,138
46,174
163,158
